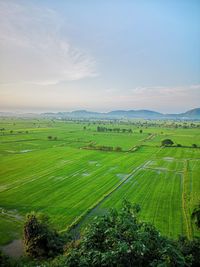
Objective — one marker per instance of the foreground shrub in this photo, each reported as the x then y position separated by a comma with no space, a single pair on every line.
117,239
120,239
5,261
191,250
40,240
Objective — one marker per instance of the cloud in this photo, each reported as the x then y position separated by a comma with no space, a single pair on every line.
165,98
195,86
165,91
34,49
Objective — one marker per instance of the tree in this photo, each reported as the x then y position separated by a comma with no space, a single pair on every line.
40,241
120,239
141,131
190,250
194,145
115,239
50,137
118,149
167,142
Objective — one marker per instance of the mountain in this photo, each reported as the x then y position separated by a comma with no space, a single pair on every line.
125,114
193,114
146,114
84,113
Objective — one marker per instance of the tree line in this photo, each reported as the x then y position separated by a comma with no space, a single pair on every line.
169,142
115,130
103,148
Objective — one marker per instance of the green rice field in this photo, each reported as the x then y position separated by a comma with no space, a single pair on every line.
56,167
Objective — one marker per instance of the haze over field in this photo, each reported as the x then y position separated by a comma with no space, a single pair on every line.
102,56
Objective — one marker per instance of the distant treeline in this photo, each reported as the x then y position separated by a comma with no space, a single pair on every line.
116,130
103,148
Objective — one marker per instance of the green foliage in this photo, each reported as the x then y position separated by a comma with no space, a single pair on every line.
191,250
194,145
120,239
196,216
5,261
40,240
118,149
115,130
167,142
116,239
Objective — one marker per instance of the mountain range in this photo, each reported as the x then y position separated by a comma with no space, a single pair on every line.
193,114
125,114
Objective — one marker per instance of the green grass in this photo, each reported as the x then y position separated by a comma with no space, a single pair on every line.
65,181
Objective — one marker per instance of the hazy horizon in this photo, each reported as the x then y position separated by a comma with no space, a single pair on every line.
82,109
99,56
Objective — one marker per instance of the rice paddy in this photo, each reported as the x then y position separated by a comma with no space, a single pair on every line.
52,167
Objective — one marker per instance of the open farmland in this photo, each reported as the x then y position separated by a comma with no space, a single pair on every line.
56,167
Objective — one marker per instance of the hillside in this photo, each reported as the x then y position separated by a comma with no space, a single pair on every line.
193,114
123,114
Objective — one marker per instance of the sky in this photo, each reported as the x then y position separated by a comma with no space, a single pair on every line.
99,55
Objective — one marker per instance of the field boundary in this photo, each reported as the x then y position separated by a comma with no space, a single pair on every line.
185,199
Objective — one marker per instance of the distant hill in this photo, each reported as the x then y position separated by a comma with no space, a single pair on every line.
147,114
123,114
193,114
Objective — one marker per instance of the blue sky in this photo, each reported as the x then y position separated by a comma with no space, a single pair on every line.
99,55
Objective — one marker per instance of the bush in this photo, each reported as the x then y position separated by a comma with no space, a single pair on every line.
196,216
5,261
116,239
40,240
167,142
190,250
118,149
120,239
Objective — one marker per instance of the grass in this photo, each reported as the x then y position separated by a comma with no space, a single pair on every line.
71,184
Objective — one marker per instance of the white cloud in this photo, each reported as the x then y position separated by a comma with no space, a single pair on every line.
34,49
